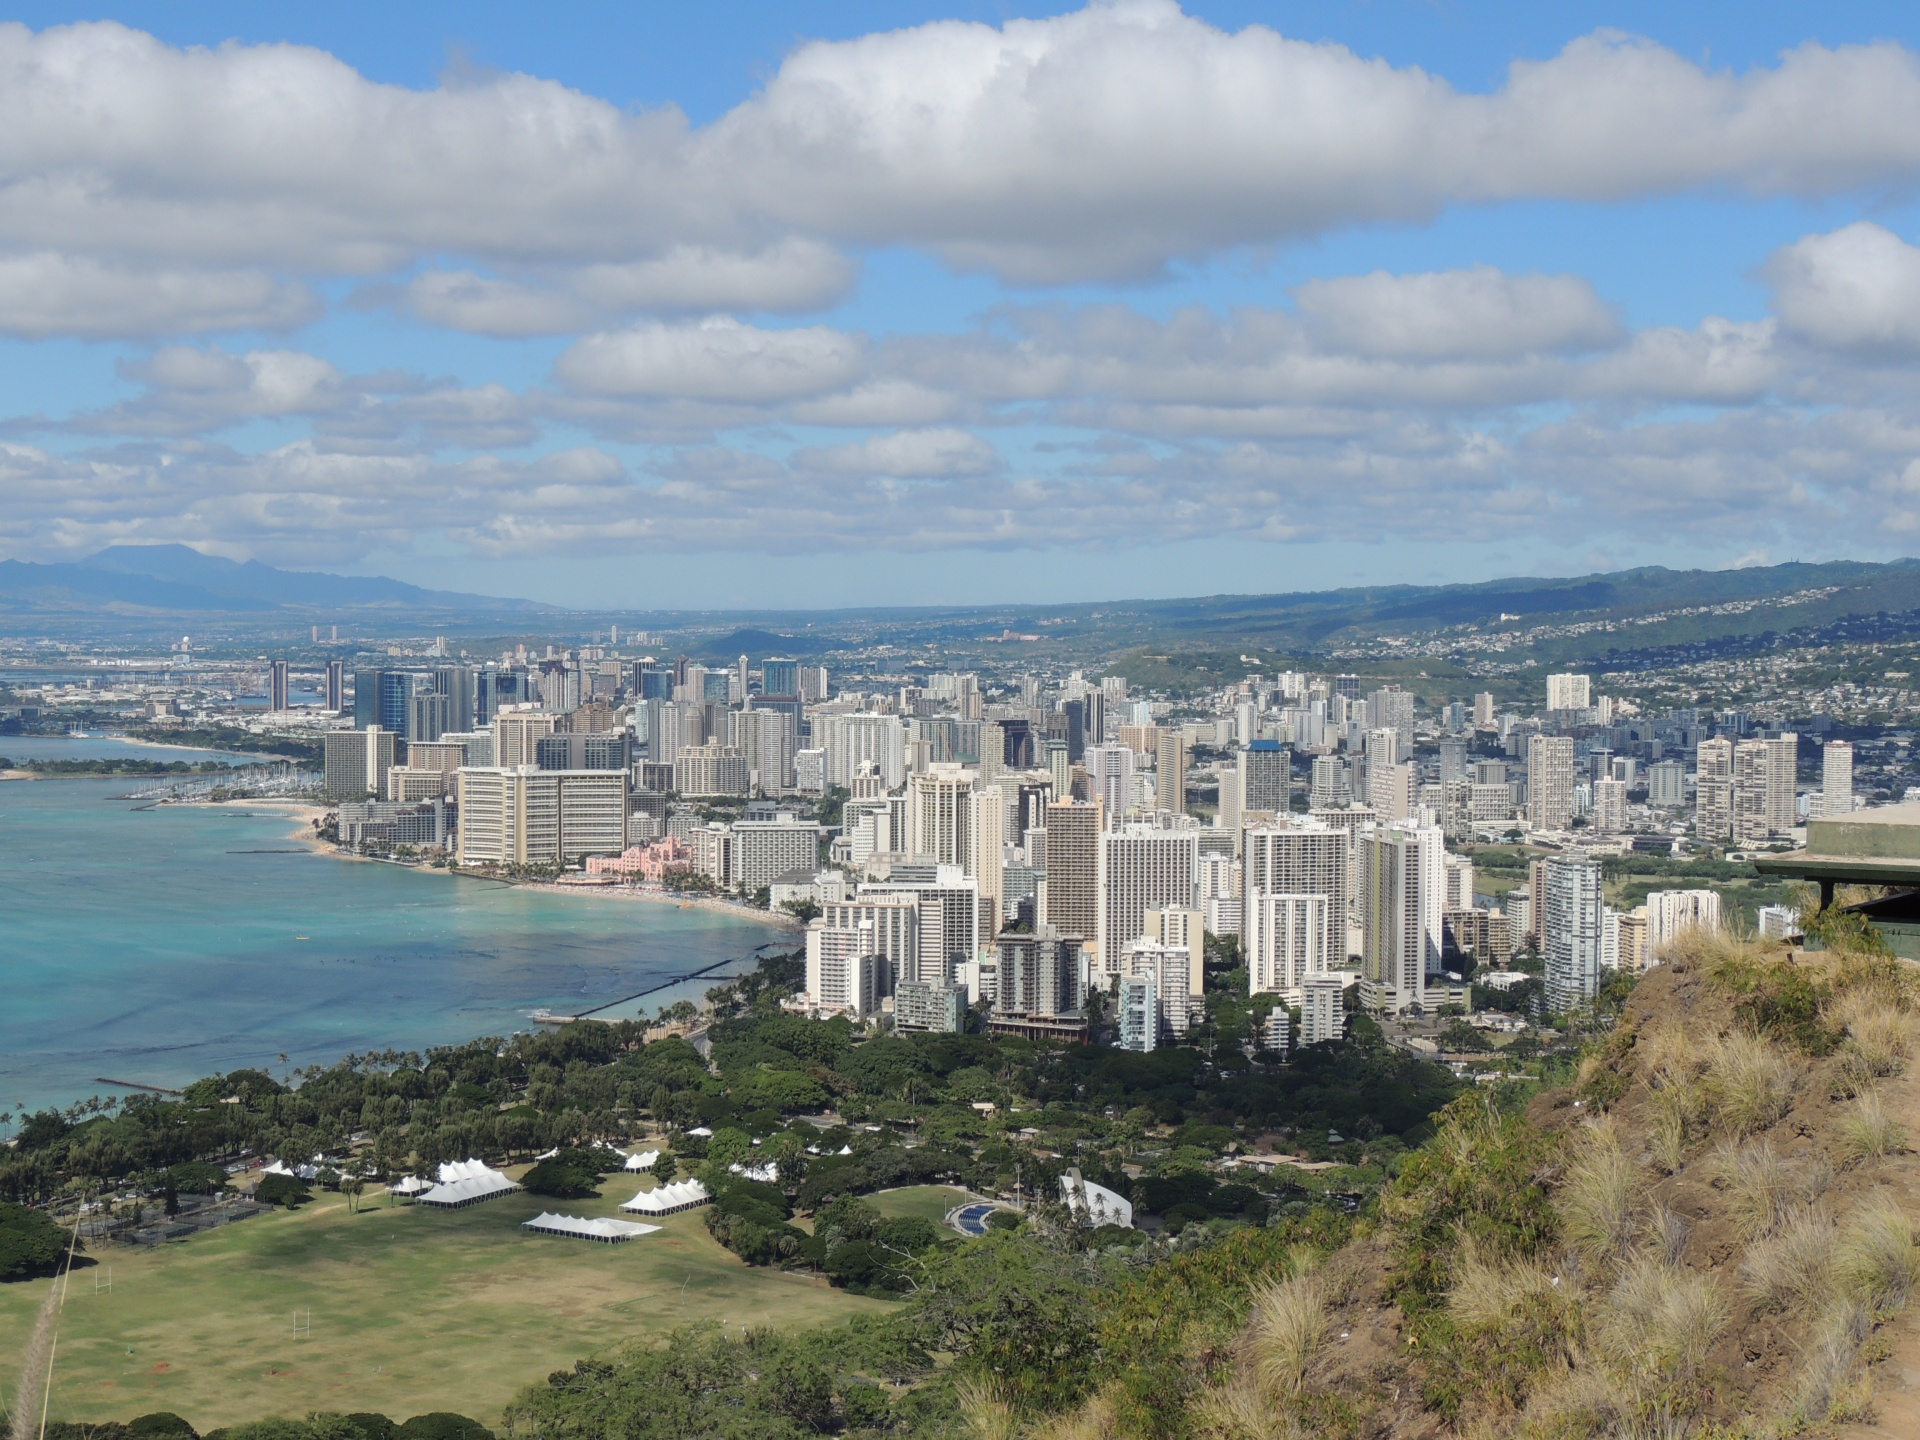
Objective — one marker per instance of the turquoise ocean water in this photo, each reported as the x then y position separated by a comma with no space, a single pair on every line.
159,945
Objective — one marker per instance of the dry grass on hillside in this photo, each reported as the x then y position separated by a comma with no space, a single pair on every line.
1724,1245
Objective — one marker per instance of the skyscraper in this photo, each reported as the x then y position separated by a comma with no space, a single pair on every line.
336,686
1393,902
1549,781
1073,867
1294,861
1141,868
1170,771
1571,931
1110,777
1609,806
1289,943
1569,692
1764,772
1836,778
940,815
277,685
1713,789
1267,770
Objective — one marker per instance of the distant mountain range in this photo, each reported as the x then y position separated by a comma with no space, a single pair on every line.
153,580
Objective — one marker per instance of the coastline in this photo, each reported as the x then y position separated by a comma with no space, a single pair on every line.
303,812
686,902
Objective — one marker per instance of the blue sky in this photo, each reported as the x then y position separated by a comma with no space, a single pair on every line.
790,305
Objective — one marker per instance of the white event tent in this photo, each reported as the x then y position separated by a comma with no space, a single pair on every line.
466,1182
667,1199
609,1232
644,1160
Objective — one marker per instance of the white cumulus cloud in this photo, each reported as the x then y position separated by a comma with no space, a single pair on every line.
718,359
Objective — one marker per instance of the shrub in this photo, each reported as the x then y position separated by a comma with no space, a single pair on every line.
551,1177
30,1243
160,1425
1656,1328
443,1425
287,1190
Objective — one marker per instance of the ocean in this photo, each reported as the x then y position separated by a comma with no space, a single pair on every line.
158,945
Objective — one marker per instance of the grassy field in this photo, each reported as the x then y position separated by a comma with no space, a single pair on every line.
413,1310
931,1202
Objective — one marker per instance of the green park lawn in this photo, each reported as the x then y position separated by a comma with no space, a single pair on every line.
412,1310
930,1202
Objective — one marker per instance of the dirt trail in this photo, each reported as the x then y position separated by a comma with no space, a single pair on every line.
1896,1381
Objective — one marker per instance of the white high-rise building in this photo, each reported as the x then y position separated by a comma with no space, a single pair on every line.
1667,784
843,968
1569,692
1291,943
1323,1013
1571,931
1170,967
1329,783
1549,781
521,815
1836,778
1109,778
892,919
1137,1013
1764,773
1609,806
1309,859
1669,912
1142,868
1713,789
1397,889
850,739
940,815
1176,926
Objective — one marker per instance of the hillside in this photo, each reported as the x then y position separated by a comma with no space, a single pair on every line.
1711,1233
148,580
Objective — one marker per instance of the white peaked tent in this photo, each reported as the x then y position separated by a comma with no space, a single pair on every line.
466,1182
408,1186
607,1231
667,1199
644,1160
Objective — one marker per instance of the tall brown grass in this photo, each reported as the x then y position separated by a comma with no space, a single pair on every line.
1794,1267
1284,1332
1670,1113
1763,1187
1879,1036
1663,1321
984,1411
1749,1082
1878,1259
1603,1193
1867,1132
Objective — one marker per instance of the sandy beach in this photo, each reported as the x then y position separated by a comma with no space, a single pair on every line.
303,833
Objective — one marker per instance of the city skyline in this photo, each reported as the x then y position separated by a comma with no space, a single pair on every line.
610,311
